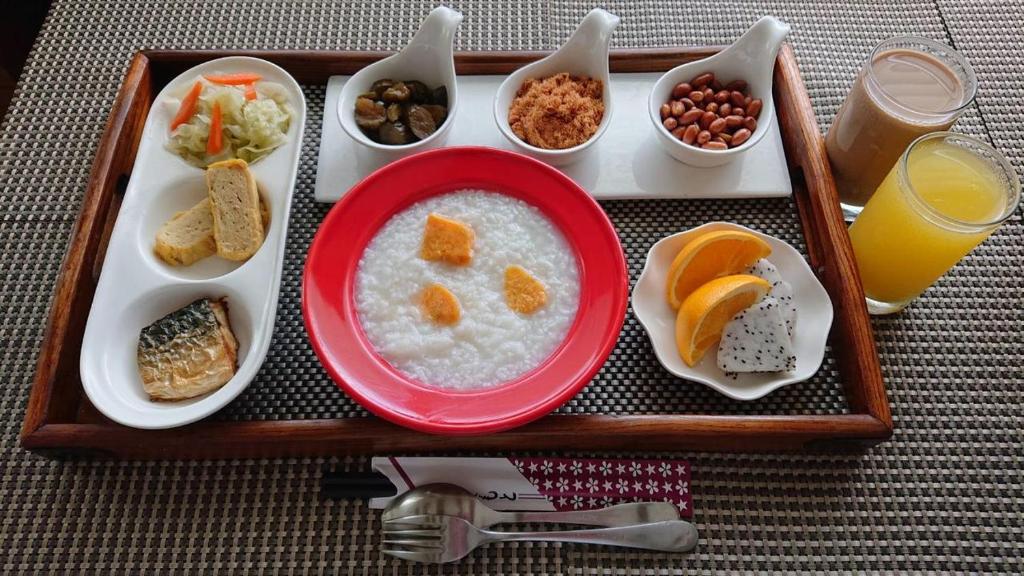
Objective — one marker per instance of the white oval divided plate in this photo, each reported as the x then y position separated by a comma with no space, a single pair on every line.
136,288
813,317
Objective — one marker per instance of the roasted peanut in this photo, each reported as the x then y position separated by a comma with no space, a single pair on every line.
697,96
708,93
747,100
738,111
750,123
737,98
670,123
678,132
666,111
725,109
717,126
678,108
733,121
741,136
687,104
715,146
736,86
712,107
703,137
691,116
703,80
690,135
681,89
715,85
722,96
726,137
706,119
754,108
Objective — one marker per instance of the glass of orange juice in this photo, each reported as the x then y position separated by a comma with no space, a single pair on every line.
946,194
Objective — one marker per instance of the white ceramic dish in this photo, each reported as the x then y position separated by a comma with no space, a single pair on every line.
627,163
428,58
750,58
813,319
136,288
585,53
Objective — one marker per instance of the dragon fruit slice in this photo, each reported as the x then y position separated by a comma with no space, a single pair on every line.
756,340
781,291
766,270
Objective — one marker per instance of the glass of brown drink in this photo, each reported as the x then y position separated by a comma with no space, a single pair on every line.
909,86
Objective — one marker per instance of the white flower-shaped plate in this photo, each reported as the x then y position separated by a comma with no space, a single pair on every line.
813,317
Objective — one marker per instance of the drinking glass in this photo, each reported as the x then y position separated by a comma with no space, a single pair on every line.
945,195
873,126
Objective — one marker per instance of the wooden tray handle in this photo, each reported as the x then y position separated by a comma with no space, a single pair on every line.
54,396
825,231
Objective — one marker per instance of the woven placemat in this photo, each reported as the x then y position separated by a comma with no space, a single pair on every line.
944,495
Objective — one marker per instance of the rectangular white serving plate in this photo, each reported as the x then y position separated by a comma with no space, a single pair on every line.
627,163
136,288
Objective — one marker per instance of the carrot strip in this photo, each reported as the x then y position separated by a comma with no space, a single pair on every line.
236,79
188,106
250,91
215,140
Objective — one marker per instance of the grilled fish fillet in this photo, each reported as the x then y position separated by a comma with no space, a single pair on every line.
189,352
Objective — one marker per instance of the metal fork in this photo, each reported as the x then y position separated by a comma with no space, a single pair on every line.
439,539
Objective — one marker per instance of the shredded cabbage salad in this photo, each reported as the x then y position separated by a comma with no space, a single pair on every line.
251,129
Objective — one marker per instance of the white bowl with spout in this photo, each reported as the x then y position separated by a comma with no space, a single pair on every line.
584,54
429,58
752,58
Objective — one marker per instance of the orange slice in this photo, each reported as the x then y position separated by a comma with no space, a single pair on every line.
447,240
439,305
706,311
523,293
711,255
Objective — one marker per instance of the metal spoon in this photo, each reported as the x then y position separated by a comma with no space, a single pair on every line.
452,500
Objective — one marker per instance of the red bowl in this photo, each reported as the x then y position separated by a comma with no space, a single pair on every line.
332,322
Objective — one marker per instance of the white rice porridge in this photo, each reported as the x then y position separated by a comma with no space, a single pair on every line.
491,343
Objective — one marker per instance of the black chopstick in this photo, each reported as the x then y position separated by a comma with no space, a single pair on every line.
360,485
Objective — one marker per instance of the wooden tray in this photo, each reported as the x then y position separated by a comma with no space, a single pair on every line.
60,420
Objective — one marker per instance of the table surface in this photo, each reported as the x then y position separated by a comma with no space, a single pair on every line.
946,494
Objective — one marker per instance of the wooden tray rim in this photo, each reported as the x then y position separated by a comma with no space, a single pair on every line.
814,190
